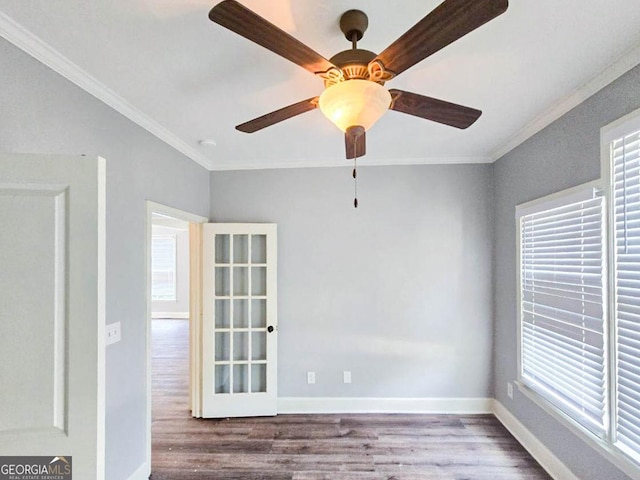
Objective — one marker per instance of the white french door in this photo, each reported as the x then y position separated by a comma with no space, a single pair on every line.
239,323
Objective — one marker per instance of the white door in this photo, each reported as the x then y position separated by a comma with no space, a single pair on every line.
239,347
52,309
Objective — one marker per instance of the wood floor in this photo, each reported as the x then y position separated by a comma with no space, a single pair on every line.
318,447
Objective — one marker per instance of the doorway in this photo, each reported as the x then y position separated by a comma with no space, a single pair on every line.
170,233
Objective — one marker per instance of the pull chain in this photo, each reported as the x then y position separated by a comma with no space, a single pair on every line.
355,182
355,174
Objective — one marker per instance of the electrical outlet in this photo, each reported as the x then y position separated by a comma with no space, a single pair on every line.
510,390
113,333
346,376
311,378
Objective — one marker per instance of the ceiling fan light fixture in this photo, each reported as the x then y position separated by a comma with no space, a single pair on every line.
355,103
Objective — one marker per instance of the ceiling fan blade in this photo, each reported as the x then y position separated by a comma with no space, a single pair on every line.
433,109
239,19
355,142
450,21
278,116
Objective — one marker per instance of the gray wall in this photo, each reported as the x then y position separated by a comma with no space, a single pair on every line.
41,112
397,291
565,154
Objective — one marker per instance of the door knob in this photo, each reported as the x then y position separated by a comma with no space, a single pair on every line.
270,328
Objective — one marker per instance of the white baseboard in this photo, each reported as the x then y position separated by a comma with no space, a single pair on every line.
544,456
141,473
165,315
301,405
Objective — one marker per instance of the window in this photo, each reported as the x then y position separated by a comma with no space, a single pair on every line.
562,305
163,267
579,342
625,178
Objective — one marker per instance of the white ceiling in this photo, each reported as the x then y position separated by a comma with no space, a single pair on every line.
165,65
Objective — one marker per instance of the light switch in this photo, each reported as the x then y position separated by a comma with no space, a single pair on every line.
113,333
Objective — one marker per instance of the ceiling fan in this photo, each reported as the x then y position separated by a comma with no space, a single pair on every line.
355,97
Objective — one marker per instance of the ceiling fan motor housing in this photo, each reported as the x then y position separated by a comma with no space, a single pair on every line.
353,63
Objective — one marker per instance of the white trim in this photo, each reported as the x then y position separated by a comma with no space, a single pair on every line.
174,212
101,281
142,473
41,51
610,306
544,456
579,193
169,315
153,207
309,405
615,130
626,62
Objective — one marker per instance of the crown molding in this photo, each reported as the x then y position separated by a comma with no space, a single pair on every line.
626,62
15,33
362,162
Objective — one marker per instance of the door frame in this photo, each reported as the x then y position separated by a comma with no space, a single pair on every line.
151,208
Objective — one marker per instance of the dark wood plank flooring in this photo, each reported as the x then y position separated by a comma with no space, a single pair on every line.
318,447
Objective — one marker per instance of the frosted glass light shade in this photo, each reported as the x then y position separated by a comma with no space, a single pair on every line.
355,103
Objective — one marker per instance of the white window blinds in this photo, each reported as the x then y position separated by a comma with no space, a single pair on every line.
626,192
163,267
562,313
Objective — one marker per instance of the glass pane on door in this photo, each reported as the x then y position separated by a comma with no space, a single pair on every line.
240,281
240,378
241,313
222,282
222,313
241,346
222,249
258,313
258,378
223,347
258,249
259,281
222,381
240,249
258,346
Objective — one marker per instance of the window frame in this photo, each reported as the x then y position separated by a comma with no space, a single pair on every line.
584,192
605,446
